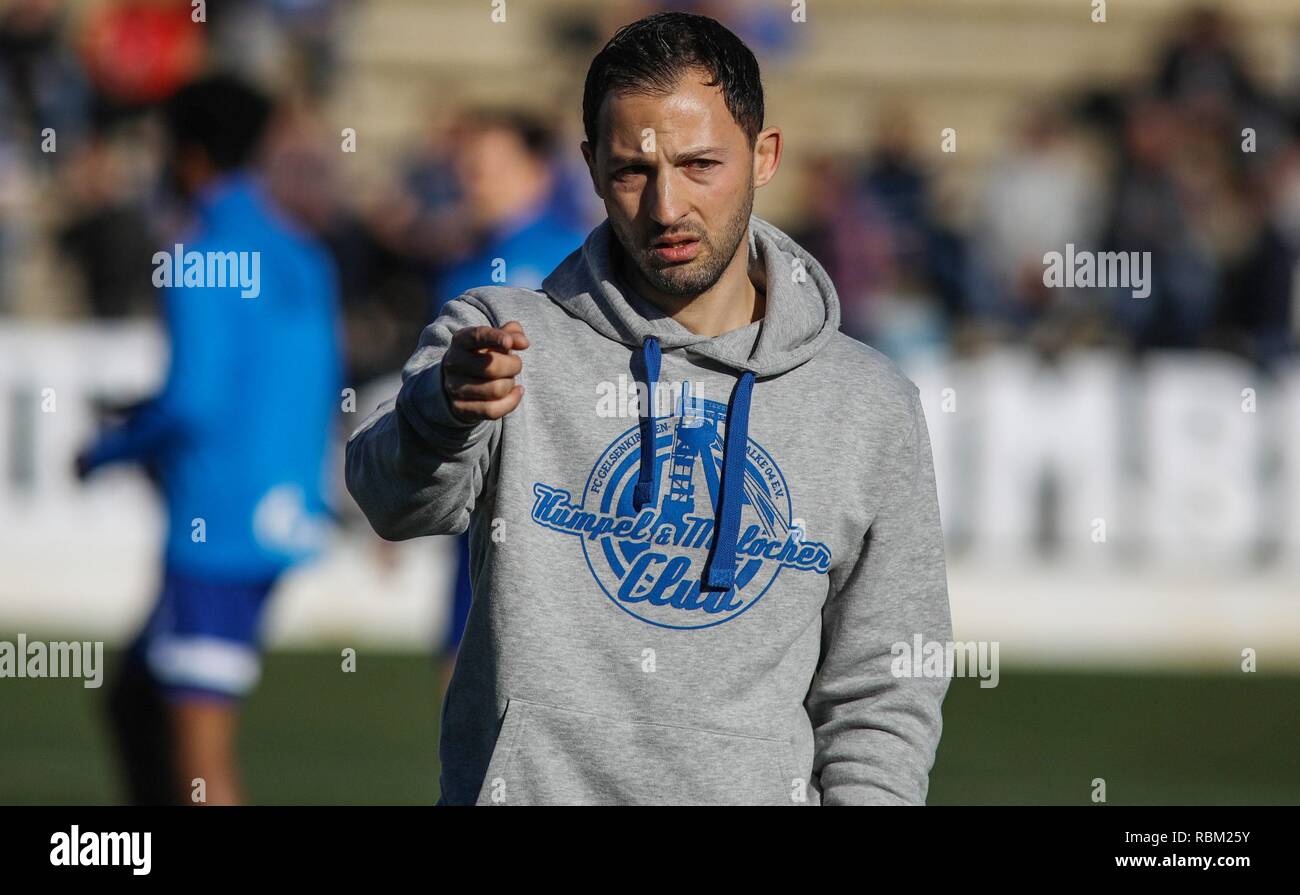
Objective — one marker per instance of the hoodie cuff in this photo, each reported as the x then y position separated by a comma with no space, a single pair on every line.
422,401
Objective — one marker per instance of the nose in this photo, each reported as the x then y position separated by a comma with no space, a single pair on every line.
666,201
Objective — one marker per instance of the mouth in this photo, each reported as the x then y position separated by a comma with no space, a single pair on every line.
675,249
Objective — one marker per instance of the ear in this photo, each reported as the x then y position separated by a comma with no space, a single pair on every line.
589,157
767,155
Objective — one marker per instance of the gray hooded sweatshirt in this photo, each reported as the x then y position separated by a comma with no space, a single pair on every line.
720,620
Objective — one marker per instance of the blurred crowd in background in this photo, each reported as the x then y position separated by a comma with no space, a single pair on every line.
1161,167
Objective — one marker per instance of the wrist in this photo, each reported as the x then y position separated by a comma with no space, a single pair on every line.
451,407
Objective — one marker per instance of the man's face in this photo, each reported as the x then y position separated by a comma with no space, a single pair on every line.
490,163
677,176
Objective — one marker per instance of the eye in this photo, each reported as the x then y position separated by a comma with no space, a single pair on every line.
629,171
702,164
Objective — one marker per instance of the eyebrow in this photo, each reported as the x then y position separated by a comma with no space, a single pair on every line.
686,156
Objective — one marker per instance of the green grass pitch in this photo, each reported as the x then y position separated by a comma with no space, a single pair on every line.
315,735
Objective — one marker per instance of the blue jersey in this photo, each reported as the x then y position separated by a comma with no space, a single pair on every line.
240,431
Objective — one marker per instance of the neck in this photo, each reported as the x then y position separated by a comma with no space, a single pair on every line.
730,303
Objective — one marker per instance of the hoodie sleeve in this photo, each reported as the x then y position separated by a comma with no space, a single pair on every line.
875,733
412,467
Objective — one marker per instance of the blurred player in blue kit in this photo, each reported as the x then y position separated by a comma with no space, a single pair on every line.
237,438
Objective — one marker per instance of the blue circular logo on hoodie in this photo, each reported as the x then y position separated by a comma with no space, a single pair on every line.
650,564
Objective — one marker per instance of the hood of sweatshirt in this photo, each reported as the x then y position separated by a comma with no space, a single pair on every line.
802,314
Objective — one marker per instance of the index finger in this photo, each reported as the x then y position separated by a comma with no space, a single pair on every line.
516,329
476,338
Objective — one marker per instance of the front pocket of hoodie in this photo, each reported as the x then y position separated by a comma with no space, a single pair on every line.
547,755
495,789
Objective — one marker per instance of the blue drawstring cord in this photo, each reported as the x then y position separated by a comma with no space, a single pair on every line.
647,480
721,567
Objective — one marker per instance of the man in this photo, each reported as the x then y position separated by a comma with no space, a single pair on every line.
694,597
504,172
238,438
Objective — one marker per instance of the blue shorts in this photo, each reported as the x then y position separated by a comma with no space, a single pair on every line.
203,638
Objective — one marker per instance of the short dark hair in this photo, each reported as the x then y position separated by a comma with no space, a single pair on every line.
531,130
221,115
650,56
